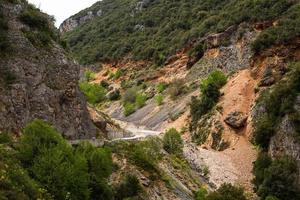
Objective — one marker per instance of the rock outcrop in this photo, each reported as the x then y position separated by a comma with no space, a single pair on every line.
236,119
75,21
43,84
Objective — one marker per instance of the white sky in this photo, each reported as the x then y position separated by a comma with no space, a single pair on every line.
62,9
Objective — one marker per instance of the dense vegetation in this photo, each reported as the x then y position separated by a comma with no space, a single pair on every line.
278,102
146,32
42,30
209,96
225,192
94,93
41,165
275,178
172,142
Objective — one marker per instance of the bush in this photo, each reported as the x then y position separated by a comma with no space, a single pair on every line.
201,194
65,172
43,31
227,192
159,100
104,84
15,182
140,100
50,161
129,188
94,93
209,96
90,76
129,109
172,142
161,87
276,178
5,138
216,78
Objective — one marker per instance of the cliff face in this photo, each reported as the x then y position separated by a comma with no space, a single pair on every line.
75,21
39,81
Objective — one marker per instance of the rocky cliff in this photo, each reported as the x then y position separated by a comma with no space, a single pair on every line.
38,79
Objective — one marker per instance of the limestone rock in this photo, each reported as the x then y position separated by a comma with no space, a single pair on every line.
236,119
44,86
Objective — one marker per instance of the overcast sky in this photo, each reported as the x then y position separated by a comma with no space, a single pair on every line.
62,9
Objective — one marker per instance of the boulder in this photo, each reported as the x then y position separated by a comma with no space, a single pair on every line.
236,119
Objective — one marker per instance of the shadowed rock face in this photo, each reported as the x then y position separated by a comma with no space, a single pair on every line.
44,85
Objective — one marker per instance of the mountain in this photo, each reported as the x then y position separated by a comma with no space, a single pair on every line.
38,79
193,100
144,30
223,72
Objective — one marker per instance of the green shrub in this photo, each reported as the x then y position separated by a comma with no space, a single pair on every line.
104,84
129,188
94,93
5,138
42,30
140,100
216,78
209,96
90,76
288,28
172,142
66,173
15,182
129,109
276,178
159,100
51,161
227,192
201,194
114,96
161,87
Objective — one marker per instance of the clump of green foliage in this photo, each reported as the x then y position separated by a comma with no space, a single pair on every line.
172,142
275,178
129,188
89,75
172,22
94,93
287,28
224,192
277,102
209,96
133,100
42,165
145,154
159,99
161,87
42,31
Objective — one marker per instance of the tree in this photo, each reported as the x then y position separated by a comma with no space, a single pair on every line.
227,192
172,142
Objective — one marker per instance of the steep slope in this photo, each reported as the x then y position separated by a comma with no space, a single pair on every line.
38,79
155,55
144,30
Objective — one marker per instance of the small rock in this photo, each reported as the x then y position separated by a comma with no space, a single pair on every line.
236,119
